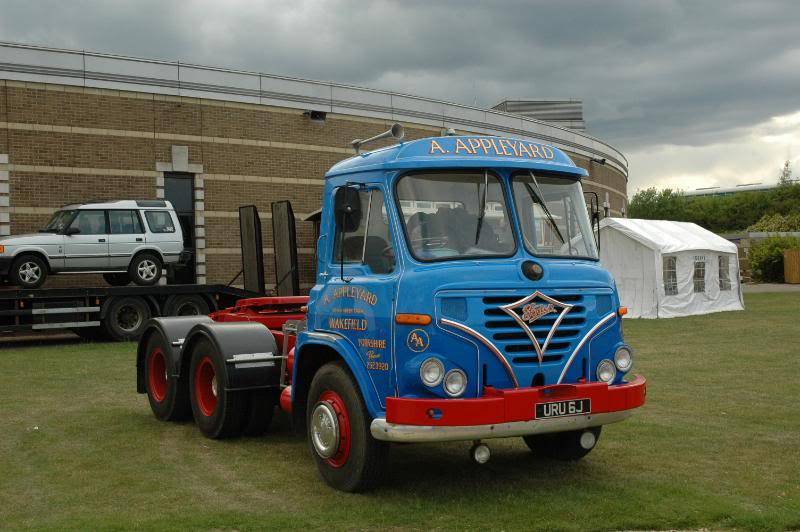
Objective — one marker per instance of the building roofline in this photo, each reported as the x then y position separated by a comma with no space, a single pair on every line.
26,62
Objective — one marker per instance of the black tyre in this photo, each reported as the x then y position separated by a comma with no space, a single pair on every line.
126,318
572,445
186,305
168,395
117,279
217,412
260,409
145,269
347,456
28,271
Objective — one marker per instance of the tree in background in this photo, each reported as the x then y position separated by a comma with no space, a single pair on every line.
785,175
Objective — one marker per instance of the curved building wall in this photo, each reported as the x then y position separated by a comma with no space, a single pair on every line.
76,126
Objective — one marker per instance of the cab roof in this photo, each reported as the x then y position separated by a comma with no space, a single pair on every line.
466,151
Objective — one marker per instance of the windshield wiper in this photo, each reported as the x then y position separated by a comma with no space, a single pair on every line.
483,205
538,197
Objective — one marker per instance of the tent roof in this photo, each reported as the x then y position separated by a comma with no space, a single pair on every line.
669,237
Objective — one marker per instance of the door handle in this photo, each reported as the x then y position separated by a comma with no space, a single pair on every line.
139,240
101,239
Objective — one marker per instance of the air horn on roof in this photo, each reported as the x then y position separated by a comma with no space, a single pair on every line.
395,132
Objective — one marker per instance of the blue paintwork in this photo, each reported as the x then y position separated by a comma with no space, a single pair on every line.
454,289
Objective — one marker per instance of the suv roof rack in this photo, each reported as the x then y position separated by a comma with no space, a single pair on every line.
151,203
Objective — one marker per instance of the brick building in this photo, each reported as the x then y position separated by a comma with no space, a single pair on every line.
76,126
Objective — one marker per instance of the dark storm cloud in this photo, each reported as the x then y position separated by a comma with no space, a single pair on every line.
650,73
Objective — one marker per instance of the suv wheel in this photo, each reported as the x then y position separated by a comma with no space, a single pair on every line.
145,269
28,271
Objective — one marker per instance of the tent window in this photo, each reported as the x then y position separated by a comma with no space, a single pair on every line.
699,274
724,275
670,276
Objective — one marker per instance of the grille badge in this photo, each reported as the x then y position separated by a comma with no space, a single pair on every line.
532,311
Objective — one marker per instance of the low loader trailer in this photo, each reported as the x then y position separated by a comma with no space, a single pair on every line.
458,297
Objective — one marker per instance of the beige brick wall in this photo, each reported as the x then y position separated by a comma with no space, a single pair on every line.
52,132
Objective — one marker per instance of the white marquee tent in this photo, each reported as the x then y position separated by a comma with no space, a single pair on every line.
666,269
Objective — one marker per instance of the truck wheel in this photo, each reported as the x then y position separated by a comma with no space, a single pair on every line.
117,279
145,269
28,271
260,409
186,305
168,396
217,412
572,445
126,318
347,456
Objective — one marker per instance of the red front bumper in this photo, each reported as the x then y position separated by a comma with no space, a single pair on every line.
513,405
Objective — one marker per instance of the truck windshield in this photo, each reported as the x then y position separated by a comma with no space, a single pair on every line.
454,215
553,216
58,223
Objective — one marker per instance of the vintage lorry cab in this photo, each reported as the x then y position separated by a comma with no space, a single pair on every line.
458,296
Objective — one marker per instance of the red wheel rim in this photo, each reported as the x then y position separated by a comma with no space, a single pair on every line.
157,374
205,386
343,452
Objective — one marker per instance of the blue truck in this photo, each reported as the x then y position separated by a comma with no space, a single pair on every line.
458,297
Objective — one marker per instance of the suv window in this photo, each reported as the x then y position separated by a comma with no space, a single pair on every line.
159,221
124,222
370,243
90,222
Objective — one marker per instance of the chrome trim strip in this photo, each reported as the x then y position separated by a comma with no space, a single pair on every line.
580,344
485,341
65,310
381,430
252,357
65,325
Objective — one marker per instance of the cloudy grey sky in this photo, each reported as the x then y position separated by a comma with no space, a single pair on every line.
694,93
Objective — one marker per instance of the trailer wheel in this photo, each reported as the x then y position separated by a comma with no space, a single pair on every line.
217,412
566,446
347,456
186,305
126,318
168,396
260,410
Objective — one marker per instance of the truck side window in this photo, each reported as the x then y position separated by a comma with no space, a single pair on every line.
370,243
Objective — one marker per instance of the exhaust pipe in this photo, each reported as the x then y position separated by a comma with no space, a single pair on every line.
395,132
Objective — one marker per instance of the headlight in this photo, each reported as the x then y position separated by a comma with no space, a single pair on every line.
623,358
431,372
606,371
455,382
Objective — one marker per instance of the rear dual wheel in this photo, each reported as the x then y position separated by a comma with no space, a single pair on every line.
168,395
220,413
346,454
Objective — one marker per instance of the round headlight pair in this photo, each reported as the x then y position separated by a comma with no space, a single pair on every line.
623,358
431,372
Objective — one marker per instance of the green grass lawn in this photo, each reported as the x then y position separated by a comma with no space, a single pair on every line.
716,445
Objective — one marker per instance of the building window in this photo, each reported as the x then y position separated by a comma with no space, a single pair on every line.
724,273
699,274
670,276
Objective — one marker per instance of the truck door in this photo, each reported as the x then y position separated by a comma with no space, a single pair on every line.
126,233
88,248
359,295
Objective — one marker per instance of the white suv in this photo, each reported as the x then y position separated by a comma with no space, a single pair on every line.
125,240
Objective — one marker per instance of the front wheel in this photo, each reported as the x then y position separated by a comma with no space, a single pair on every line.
347,456
28,271
566,446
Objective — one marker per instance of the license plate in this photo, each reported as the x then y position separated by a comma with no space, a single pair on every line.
572,407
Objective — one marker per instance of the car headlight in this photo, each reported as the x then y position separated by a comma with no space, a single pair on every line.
623,358
431,372
606,371
455,382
